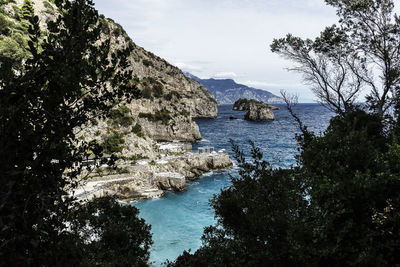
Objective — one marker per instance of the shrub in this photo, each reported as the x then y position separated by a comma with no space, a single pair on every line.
171,95
146,93
147,63
121,116
11,49
113,143
5,24
162,115
158,89
137,129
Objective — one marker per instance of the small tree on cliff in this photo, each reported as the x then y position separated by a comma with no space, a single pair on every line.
71,77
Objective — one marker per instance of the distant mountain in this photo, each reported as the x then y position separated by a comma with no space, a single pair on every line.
227,91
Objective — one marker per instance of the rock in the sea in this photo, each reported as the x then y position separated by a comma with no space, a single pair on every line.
256,110
259,113
233,118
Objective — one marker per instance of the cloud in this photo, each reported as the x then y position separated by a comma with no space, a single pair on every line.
188,67
225,75
262,84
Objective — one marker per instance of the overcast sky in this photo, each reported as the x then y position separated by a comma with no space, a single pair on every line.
223,38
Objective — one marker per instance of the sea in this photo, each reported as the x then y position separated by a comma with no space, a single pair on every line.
177,219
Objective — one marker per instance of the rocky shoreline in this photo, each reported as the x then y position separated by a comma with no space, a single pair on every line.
149,178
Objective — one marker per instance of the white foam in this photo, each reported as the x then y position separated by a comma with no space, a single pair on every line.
207,174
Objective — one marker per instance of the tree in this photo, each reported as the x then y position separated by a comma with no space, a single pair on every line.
27,11
71,77
361,52
339,206
114,237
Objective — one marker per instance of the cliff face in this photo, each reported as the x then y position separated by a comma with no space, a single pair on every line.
169,103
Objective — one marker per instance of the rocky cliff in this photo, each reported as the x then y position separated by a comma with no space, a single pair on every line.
169,100
165,111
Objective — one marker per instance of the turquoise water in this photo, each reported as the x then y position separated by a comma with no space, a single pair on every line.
178,219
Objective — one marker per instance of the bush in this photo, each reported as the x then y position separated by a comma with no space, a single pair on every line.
121,116
113,143
171,95
338,207
137,129
10,48
121,237
5,25
146,93
136,157
158,89
147,63
162,115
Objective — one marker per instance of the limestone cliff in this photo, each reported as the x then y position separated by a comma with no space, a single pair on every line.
165,111
169,102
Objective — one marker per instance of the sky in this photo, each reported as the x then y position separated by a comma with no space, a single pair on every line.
224,38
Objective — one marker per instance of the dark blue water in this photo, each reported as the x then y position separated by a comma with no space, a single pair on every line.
178,219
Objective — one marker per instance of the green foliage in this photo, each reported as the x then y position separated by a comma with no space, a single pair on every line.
151,88
134,158
147,93
171,95
105,28
137,129
41,106
113,143
27,11
338,207
5,2
161,115
11,48
158,89
147,63
14,43
121,116
5,25
112,234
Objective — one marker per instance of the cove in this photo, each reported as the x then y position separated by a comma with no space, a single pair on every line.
178,219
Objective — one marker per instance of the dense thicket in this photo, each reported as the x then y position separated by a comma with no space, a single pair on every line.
340,205
70,77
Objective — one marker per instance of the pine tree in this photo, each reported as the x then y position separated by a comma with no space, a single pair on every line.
27,10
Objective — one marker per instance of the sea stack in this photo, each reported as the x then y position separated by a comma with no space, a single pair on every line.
256,110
